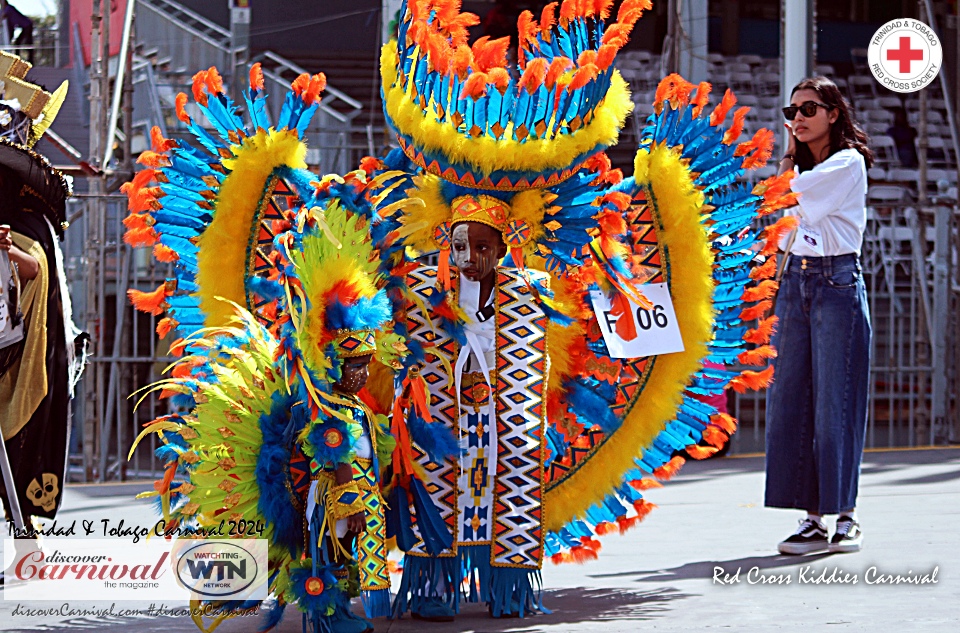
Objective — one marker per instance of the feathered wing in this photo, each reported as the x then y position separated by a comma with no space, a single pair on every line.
616,424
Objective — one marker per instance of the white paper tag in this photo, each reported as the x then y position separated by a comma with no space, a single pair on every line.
811,237
657,329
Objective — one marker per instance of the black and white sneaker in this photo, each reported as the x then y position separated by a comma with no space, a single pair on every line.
848,537
810,537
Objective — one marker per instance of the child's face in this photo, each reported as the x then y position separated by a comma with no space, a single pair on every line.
354,373
476,249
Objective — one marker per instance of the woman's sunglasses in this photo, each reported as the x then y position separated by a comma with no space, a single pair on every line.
807,109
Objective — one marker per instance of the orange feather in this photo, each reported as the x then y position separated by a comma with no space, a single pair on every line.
558,66
763,332
763,290
318,83
144,236
462,60
644,507
198,83
714,436
153,302
766,270
752,380
601,8
475,86
158,143
719,113
775,232
737,126
300,84
757,356
587,57
138,221
701,98
548,19
165,325
645,484
757,311
533,75
256,77
181,101
583,76
701,452
165,254
617,35
606,55
671,468
214,81
153,159
724,421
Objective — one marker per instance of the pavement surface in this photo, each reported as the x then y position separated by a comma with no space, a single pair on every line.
666,574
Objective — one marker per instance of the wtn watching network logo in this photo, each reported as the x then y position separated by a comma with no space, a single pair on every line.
222,569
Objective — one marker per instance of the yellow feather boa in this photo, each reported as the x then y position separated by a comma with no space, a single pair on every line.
678,204
222,257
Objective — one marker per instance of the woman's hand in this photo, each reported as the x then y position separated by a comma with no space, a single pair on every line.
792,142
27,266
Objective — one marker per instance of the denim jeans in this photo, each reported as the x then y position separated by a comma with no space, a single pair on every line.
817,406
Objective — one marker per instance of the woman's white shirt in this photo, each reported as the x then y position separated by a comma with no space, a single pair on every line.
833,199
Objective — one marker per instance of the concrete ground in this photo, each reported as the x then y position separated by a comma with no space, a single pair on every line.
661,576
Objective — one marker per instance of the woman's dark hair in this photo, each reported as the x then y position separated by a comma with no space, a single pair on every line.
845,132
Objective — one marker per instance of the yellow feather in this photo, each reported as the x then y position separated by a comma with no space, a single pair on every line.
678,205
222,257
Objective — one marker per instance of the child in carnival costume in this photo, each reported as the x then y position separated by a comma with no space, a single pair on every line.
278,324
557,434
519,435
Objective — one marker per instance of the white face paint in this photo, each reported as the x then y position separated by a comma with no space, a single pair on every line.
461,246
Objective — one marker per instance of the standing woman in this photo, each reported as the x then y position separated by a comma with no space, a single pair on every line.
817,408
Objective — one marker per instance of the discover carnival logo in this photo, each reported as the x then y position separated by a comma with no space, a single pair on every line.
905,55
152,569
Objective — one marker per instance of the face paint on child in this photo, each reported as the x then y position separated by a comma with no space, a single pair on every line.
476,249
353,374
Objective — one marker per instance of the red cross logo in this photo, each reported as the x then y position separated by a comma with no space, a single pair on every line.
905,55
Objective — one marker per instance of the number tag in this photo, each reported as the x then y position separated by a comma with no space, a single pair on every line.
657,329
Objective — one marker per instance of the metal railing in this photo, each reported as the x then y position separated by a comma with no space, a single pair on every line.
186,41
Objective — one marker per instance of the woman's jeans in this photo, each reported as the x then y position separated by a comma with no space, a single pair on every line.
817,406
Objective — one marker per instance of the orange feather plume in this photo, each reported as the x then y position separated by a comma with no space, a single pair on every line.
701,98
775,232
558,66
674,89
138,220
587,57
763,290
144,236
370,164
153,302
724,421
548,19
645,484
158,143
763,332
757,356
701,452
617,35
601,8
475,86
762,148
165,254
488,54
644,507
533,75
462,60
318,83
583,76
671,468
500,78
300,84
714,436
256,77
527,28
631,10
199,80
153,159
752,380
605,527
620,200
568,12
766,270
214,81
181,101
719,113
757,311
737,126
165,325
606,55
